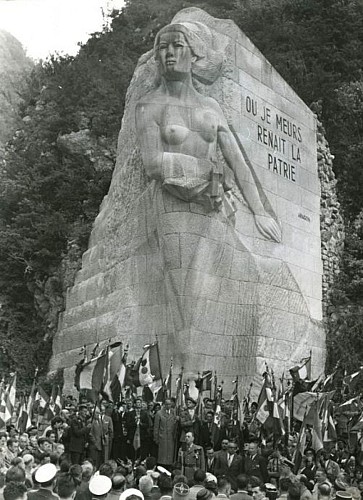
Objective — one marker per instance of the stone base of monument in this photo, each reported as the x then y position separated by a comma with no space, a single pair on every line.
217,293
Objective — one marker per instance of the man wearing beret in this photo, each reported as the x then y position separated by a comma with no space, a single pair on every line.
192,457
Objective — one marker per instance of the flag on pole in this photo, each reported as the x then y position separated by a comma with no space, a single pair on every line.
300,446
8,399
302,371
350,381
116,372
149,368
265,399
316,431
23,417
168,380
204,382
31,399
90,375
41,398
329,432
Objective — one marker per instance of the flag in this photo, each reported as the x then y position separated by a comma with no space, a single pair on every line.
116,372
305,402
329,379
41,397
9,399
31,399
279,411
23,418
167,383
302,371
149,366
300,446
316,431
328,428
350,381
54,404
265,399
180,401
90,375
350,404
204,383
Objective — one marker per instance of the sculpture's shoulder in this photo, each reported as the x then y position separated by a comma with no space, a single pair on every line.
148,108
153,97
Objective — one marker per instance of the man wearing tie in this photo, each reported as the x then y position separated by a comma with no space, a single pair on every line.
210,460
229,465
209,432
164,433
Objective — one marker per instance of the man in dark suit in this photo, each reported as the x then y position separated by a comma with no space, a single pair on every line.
255,464
223,450
78,435
242,484
120,433
210,460
229,465
209,431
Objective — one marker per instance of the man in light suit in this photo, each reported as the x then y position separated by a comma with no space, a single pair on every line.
96,439
229,465
164,433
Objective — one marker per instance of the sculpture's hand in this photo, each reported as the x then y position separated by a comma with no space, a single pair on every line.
268,227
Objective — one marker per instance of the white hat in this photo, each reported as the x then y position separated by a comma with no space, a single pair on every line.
162,470
45,473
131,491
100,485
211,477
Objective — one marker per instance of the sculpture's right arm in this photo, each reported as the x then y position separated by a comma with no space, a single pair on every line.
148,134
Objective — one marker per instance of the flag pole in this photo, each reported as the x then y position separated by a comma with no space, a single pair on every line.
170,375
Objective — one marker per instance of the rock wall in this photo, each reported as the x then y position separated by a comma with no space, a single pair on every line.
331,220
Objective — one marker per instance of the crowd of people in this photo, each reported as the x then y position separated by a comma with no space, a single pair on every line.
138,450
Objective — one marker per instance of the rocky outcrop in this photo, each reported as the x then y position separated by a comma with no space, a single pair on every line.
331,220
14,68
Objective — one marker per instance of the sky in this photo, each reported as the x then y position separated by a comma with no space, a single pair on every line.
46,26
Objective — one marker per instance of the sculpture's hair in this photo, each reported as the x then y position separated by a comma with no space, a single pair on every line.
208,64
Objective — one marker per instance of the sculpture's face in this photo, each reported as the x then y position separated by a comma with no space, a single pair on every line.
175,55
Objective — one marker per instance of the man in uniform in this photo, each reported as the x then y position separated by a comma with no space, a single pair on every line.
191,456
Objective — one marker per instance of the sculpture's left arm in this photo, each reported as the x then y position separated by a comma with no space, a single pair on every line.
245,181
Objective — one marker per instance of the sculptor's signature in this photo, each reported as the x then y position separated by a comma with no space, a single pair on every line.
304,217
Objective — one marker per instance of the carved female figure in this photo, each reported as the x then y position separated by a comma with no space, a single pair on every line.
179,132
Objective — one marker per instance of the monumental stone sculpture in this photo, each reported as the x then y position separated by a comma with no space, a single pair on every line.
199,239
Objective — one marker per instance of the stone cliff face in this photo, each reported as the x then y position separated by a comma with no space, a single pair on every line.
14,68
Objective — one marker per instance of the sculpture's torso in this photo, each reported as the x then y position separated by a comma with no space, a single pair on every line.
189,127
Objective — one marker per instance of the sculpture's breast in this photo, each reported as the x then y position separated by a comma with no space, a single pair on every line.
205,123
174,134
